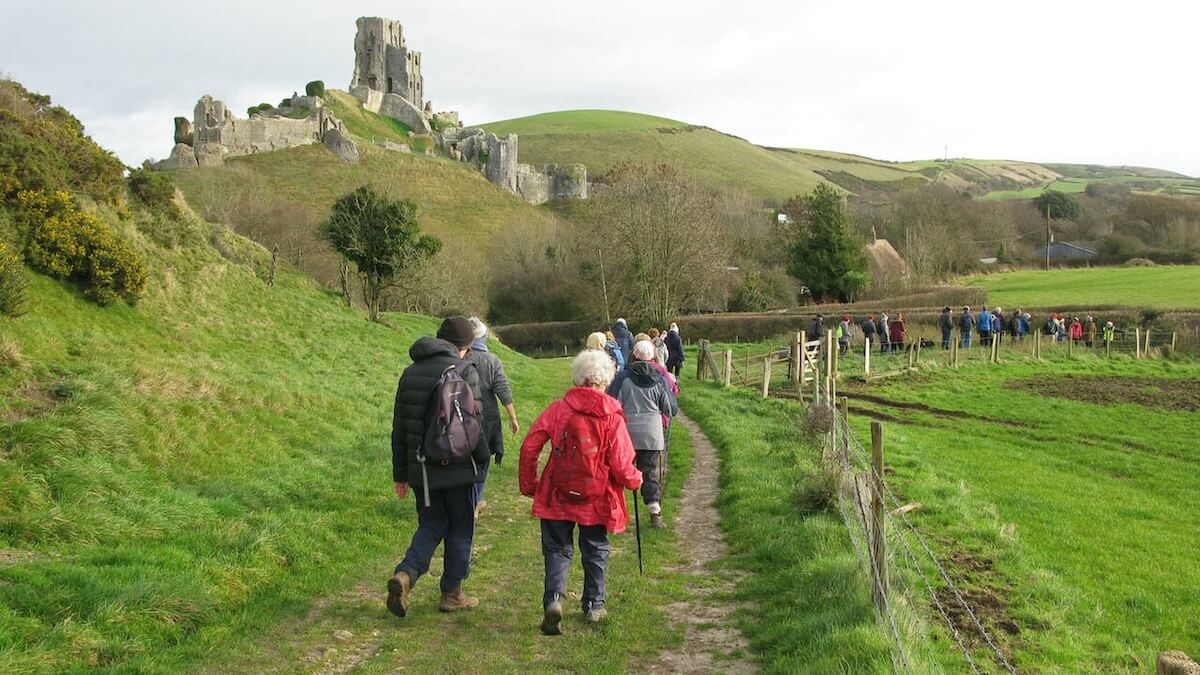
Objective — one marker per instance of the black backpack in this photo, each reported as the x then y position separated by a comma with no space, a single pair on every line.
452,427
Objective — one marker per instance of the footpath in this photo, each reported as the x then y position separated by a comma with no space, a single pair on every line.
712,641
677,618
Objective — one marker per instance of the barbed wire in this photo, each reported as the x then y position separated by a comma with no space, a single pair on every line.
851,441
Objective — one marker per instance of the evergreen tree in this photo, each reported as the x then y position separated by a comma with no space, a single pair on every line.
823,255
381,237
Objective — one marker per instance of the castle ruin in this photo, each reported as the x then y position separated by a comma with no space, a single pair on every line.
387,81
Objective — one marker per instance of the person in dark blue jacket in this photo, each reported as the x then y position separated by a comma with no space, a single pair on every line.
966,323
674,350
624,339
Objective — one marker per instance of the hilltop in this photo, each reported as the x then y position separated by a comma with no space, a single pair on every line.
602,138
282,197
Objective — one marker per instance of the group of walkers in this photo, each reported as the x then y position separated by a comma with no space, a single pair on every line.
993,325
891,334
609,433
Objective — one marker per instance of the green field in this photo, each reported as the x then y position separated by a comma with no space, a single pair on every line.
204,480
1078,530
1072,536
1161,287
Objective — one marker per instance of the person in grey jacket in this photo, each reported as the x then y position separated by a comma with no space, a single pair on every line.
645,397
493,385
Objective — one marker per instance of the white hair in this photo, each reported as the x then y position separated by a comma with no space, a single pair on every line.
674,328
643,351
592,368
596,340
479,328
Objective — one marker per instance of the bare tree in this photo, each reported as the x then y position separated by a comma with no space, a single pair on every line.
664,238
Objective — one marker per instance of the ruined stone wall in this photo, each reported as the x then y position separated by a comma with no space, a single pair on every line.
396,107
382,61
217,135
501,167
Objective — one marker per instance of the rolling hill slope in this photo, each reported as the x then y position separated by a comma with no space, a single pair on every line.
602,138
281,198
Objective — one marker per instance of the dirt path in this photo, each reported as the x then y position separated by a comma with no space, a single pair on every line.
712,642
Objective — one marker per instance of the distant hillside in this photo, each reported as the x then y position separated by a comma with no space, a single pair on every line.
281,198
602,138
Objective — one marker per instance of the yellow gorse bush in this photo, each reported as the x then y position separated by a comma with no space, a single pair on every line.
68,243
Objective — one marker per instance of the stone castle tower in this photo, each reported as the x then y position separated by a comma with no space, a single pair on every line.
383,63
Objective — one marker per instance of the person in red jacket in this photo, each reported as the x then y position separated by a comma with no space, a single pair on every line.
598,508
1076,330
897,332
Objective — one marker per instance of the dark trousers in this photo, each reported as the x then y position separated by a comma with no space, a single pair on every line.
675,368
450,517
946,337
647,462
558,549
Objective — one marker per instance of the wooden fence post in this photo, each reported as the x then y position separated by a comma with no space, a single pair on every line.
867,357
845,450
728,367
1146,351
766,381
797,361
1137,343
700,360
953,352
1107,347
1037,345
829,357
878,543
1174,334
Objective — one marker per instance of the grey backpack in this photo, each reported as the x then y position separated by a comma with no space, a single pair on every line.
452,427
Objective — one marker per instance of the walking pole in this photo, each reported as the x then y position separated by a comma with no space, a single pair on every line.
637,526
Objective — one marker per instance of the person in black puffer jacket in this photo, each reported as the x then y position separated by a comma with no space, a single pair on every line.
450,513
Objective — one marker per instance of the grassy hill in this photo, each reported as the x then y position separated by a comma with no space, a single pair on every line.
601,138
281,198
1170,287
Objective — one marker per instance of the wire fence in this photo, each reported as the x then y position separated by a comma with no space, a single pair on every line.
908,579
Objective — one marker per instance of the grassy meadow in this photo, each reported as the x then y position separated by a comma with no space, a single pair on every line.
1176,286
1072,532
204,479
1080,530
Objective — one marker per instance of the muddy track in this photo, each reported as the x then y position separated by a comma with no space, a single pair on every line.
712,642
936,412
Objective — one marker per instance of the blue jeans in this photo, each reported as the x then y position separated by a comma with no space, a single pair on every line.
450,517
946,337
965,341
558,549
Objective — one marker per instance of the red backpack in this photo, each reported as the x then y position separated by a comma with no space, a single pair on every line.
578,472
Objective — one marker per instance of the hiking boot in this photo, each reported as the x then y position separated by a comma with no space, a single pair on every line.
595,615
398,587
552,618
480,507
456,600
656,521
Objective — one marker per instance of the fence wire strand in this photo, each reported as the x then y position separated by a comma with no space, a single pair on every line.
852,447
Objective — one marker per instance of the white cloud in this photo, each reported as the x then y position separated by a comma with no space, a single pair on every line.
1100,82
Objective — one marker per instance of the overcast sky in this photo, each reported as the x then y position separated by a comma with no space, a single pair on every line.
1095,82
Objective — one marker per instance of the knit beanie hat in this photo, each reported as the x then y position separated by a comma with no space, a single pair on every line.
457,331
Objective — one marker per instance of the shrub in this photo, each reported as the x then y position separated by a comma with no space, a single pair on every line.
13,282
315,88
155,190
71,244
43,147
